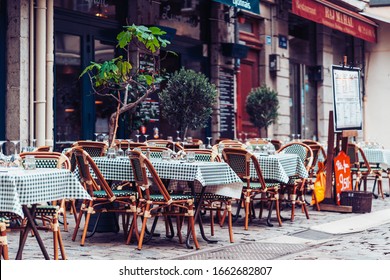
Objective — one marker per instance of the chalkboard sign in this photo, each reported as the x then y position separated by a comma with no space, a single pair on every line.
151,106
226,100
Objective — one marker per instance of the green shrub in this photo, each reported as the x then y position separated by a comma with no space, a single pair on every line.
186,102
262,106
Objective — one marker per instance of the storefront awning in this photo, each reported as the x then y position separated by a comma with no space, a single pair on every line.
336,17
249,5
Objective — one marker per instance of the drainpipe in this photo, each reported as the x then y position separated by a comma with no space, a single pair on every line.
40,70
31,74
49,73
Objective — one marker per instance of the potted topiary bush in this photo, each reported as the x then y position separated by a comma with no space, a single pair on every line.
262,106
187,100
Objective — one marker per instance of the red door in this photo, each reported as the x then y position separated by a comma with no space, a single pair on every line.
247,78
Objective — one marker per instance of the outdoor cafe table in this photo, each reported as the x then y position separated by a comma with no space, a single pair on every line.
21,188
210,177
378,156
279,167
214,177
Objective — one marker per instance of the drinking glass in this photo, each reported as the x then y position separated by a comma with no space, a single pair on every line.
209,142
128,150
120,152
111,153
178,139
146,137
15,142
191,157
29,162
96,136
221,146
165,155
137,135
257,147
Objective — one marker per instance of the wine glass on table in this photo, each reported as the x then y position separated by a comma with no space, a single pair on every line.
96,136
120,152
128,150
16,154
178,139
209,142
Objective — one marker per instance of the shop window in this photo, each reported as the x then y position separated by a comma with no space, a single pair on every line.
100,8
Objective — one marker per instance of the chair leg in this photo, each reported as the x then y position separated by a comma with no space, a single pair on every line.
3,242
78,221
293,197
212,222
380,190
277,209
146,215
247,206
54,228
191,222
86,223
230,220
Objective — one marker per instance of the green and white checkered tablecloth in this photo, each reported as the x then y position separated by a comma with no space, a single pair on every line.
23,187
279,167
218,177
379,156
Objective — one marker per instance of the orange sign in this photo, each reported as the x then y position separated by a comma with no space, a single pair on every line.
342,174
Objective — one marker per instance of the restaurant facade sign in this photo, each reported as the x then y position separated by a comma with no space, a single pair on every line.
336,17
249,5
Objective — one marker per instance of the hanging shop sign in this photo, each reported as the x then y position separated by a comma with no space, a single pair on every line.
336,17
249,5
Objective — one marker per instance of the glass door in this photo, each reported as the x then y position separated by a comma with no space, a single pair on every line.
80,39
68,87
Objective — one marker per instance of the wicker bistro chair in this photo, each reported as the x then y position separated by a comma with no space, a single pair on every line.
104,200
174,146
156,201
42,149
254,188
294,191
319,155
49,214
361,169
194,144
277,143
93,148
154,152
213,202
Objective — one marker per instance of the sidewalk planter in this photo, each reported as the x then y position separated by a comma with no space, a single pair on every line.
360,201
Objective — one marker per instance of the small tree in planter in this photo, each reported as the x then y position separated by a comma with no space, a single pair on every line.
262,106
118,79
187,100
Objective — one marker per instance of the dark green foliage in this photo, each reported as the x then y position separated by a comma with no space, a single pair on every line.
187,100
262,106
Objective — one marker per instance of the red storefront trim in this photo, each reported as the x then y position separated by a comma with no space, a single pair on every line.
336,17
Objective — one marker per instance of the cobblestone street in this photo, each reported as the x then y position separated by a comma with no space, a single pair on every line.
300,239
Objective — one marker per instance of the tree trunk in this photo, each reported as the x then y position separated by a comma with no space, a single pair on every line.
114,118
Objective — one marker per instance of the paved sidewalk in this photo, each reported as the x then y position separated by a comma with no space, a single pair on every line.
259,242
